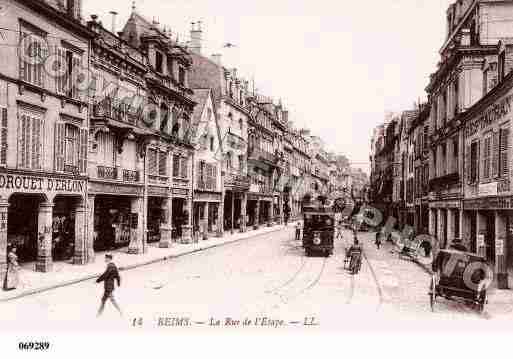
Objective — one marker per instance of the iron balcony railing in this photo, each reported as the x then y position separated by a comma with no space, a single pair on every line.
105,172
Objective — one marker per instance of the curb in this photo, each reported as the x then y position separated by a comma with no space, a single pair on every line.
129,267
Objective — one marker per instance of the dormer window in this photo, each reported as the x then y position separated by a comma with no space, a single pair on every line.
158,61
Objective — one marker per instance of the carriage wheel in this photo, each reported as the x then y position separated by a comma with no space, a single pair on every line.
432,294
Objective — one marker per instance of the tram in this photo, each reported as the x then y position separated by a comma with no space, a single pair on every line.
318,226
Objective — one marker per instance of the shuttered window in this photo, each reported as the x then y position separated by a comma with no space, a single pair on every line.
157,163
162,163
69,66
32,61
474,162
495,154
30,141
70,148
3,136
487,148
504,152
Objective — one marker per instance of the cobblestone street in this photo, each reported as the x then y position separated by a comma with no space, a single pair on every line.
265,276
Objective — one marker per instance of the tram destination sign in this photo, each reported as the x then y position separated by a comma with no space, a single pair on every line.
21,183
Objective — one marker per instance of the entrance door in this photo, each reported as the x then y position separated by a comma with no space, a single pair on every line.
473,230
22,225
490,236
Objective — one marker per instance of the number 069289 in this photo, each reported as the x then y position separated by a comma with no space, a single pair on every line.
33,345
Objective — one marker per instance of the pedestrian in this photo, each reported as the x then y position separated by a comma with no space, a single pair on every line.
12,276
298,231
378,239
339,230
110,275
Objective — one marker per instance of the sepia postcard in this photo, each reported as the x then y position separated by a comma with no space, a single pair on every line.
275,167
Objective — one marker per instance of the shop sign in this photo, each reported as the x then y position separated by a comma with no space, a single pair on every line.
180,192
207,197
489,203
158,191
499,247
445,204
22,183
494,113
487,189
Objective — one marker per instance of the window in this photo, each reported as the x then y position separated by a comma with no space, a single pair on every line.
502,64
241,163
503,153
71,62
485,82
241,98
3,136
456,97
30,141
487,149
241,125
212,143
159,59
229,164
181,76
426,139
474,158
34,48
455,157
176,166
71,148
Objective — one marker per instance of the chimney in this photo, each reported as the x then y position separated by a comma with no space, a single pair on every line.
196,37
113,27
217,59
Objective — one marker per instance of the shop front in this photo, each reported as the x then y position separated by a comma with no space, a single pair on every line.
491,226
207,212
117,217
181,215
43,216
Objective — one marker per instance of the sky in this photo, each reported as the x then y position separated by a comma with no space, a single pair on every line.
338,66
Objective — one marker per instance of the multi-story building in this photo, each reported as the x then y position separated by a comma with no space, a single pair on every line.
230,100
166,148
208,160
473,31
43,142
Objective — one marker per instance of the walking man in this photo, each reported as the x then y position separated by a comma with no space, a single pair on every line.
339,230
378,239
298,231
108,277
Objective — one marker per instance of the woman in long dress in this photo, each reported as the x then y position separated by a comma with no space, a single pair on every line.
12,276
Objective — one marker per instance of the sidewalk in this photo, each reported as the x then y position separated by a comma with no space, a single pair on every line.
65,273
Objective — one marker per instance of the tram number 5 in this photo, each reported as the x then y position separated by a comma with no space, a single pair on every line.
309,321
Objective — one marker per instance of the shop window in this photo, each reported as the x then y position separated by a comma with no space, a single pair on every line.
30,141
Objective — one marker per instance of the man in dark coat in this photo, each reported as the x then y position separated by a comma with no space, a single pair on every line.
110,275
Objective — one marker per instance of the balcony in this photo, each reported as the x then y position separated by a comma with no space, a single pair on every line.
235,141
206,184
109,173
130,176
157,179
115,110
71,169
237,180
444,181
